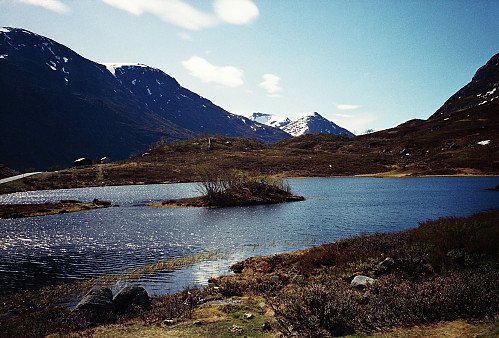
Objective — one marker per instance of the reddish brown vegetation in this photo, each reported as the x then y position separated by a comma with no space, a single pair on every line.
234,197
444,270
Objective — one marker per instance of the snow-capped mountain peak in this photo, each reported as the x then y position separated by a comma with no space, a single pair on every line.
270,120
76,106
308,123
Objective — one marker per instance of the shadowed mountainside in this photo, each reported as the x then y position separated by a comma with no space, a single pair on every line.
56,106
462,143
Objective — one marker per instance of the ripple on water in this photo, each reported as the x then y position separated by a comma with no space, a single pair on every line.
39,251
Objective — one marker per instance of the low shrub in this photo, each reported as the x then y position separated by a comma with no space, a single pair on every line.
317,310
459,243
173,306
444,270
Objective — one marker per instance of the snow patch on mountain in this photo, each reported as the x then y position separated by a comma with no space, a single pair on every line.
112,67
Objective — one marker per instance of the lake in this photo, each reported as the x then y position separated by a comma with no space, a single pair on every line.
62,248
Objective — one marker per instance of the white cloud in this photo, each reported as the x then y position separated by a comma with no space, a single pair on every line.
236,12
178,12
52,5
343,115
271,84
346,106
225,75
175,12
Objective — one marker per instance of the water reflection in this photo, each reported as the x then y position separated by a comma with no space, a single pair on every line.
60,248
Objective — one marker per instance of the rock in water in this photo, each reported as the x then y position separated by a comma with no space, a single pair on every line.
131,295
101,203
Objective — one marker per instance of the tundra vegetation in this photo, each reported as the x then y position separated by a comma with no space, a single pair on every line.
445,270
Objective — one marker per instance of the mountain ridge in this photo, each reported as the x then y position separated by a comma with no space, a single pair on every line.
482,88
57,106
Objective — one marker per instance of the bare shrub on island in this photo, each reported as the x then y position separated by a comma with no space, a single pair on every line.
215,182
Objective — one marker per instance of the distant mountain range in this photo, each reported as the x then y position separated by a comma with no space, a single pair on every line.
57,106
306,124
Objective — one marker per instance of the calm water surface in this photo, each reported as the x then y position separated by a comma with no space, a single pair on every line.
61,248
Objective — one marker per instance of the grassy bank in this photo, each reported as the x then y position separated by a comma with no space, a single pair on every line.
443,277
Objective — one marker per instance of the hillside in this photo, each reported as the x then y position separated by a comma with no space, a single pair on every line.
463,141
56,106
483,88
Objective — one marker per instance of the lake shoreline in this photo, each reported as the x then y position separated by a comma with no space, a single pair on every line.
46,181
275,281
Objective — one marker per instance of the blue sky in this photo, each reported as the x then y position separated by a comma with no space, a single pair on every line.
362,64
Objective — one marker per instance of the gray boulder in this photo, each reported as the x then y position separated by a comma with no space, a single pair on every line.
97,305
129,296
361,281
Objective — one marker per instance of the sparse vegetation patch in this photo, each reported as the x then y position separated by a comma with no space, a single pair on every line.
235,188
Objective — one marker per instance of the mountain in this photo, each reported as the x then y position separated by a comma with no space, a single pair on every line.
307,124
270,120
483,88
461,142
163,94
314,123
56,106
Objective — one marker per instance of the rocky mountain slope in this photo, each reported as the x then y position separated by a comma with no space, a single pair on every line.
56,106
314,123
483,89
306,124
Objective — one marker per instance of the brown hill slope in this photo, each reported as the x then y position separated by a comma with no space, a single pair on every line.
464,142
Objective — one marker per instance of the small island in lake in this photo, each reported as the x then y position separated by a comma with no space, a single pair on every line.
234,188
43,209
